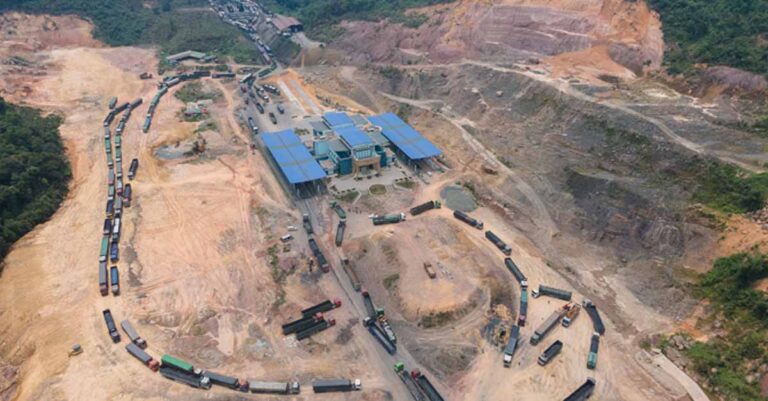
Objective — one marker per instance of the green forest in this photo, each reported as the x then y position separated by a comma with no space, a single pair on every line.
34,171
320,17
174,25
716,32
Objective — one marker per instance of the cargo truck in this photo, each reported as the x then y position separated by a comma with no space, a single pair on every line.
222,380
548,325
465,218
111,192
380,336
430,271
321,260
301,324
351,273
261,387
583,392
103,281
110,177
132,169
519,276
324,306
552,292
280,109
133,335
368,302
426,386
127,195
523,308
136,103
114,280
409,382
340,232
187,378
571,315
429,205
119,109
104,249
114,252
307,223
107,227
503,247
110,209
107,135
597,322
109,118
336,385
312,330
142,356
511,347
118,206
550,353
387,329
112,103
339,210
594,346
111,328
259,107
388,219
172,362
116,229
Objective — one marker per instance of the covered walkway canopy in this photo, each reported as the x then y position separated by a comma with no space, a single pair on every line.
409,141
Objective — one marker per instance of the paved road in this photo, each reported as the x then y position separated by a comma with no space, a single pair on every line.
693,389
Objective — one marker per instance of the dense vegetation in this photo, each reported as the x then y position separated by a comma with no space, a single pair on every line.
727,361
33,171
729,189
321,17
716,32
175,25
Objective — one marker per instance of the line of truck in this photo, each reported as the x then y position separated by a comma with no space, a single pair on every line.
312,320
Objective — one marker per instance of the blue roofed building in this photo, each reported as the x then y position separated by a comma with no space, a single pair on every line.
338,119
297,166
404,139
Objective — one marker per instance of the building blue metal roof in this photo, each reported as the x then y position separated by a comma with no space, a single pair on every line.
338,119
404,137
293,158
354,136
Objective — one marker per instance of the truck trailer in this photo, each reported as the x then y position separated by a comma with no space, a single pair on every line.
523,308
426,206
548,325
324,306
222,380
583,392
594,346
104,250
465,218
519,276
339,210
111,328
187,378
335,385
552,292
340,232
426,386
351,273
103,281
316,328
262,387
380,336
321,260
597,321
503,247
132,169
114,252
550,352
127,193
132,334
114,280
368,302
307,223
511,347
409,382
301,324
388,219
142,356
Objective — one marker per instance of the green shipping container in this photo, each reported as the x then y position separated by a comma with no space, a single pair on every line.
104,248
592,360
107,146
117,140
176,363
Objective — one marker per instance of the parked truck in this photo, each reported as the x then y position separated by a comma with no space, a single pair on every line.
583,392
548,324
316,328
272,117
429,205
142,356
114,252
351,273
426,386
465,218
190,379
388,219
103,281
594,346
111,328
336,385
321,260
370,310
172,362
263,387
409,382
307,223
597,322
339,210
132,334
223,380
503,247
324,306
104,249
303,323
127,193
511,347
252,124
571,315
430,271
259,107
523,308
112,103
132,169
550,353
519,276
114,280
380,336
552,292
340,232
